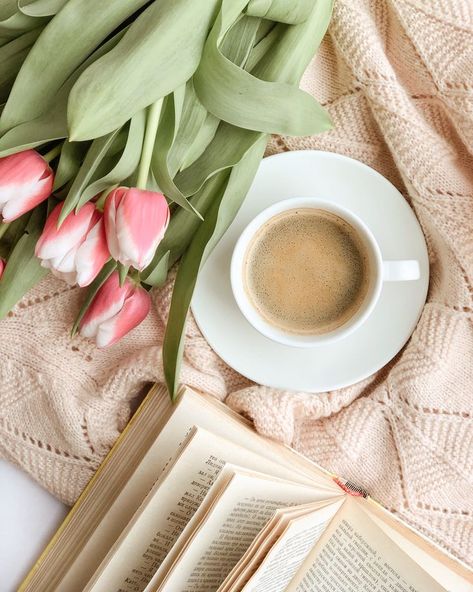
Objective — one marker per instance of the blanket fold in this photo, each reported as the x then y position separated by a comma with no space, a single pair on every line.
397,79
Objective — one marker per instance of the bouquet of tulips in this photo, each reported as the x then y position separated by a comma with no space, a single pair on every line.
130,132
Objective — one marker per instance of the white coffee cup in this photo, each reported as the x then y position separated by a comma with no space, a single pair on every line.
380,271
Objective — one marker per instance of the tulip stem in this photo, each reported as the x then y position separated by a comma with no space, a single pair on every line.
135,276
3,228
51,155
152,122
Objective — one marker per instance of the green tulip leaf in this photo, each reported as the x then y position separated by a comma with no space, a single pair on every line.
224,150
258,105
201,140
72,155
12,56
23,269
291,12
192,119
160,52
219,217
295,47
265,45
126,164
159,163
228,147
284,59
17,45
52,125
70,37
158,275
122,273
229,143
265,27
19,23
198,127
238,41
35,133
7,9
95,154
13,233
41,7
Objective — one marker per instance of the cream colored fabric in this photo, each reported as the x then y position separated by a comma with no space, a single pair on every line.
397,78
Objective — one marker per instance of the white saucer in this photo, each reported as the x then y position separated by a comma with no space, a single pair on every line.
335,365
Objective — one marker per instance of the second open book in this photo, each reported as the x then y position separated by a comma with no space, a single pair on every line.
191,499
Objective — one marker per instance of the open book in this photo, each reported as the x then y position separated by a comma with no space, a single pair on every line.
192,499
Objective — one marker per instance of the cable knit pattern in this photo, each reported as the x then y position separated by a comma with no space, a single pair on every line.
397,79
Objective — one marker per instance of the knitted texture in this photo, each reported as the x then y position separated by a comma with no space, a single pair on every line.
397,79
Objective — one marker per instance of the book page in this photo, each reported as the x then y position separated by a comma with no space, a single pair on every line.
99,495
454,578
287,554
154,462
190,409
169,506
223,421
263,543
220,484
221,539
355,554
264,538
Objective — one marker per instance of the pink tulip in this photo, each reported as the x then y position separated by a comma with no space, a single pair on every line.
26,180
135,223
115,311
2,267
77,250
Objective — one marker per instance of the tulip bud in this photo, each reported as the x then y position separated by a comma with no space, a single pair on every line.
77,250
115,311
135,223
26,180
2,267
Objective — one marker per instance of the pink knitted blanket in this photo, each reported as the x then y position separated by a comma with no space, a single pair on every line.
397,78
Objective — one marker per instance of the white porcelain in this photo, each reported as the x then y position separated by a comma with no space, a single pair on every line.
349,184
403,270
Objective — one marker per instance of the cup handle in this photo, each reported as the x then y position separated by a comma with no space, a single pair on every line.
401,271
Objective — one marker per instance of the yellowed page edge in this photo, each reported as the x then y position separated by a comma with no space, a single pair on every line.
152,392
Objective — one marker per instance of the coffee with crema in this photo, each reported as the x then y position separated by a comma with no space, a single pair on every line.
306,271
